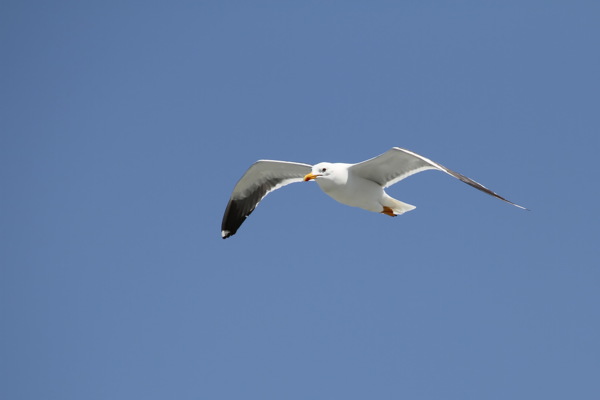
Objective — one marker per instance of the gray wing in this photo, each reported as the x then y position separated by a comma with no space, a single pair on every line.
396,164
260,179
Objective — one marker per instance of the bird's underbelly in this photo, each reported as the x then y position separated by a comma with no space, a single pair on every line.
357,192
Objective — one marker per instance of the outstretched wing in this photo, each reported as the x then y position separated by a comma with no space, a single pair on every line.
396,164
262,177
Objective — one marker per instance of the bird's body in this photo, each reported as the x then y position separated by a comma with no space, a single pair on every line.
354,190
358,185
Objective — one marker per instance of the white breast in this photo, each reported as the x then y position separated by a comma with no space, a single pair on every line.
353,190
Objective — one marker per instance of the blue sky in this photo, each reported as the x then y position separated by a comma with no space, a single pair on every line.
125,126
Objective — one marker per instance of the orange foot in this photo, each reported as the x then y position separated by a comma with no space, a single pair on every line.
388,211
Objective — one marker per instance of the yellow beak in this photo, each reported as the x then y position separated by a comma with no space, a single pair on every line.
308,177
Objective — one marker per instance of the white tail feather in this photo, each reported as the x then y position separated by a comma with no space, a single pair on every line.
398,206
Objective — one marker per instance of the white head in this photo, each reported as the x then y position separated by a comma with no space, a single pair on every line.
320,170
329,175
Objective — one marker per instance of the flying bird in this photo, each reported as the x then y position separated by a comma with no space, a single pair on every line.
358,185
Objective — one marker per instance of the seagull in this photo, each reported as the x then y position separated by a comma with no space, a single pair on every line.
357,185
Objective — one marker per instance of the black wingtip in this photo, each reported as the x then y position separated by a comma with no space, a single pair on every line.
226,234
234,217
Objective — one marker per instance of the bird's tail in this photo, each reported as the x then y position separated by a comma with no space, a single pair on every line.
397,206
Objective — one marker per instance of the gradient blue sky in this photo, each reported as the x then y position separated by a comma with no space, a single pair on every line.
125,126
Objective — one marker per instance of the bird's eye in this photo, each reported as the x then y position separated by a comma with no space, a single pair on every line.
324,169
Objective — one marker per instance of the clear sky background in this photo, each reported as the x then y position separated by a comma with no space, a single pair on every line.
125,126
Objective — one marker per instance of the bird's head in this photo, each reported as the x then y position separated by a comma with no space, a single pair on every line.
320,170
